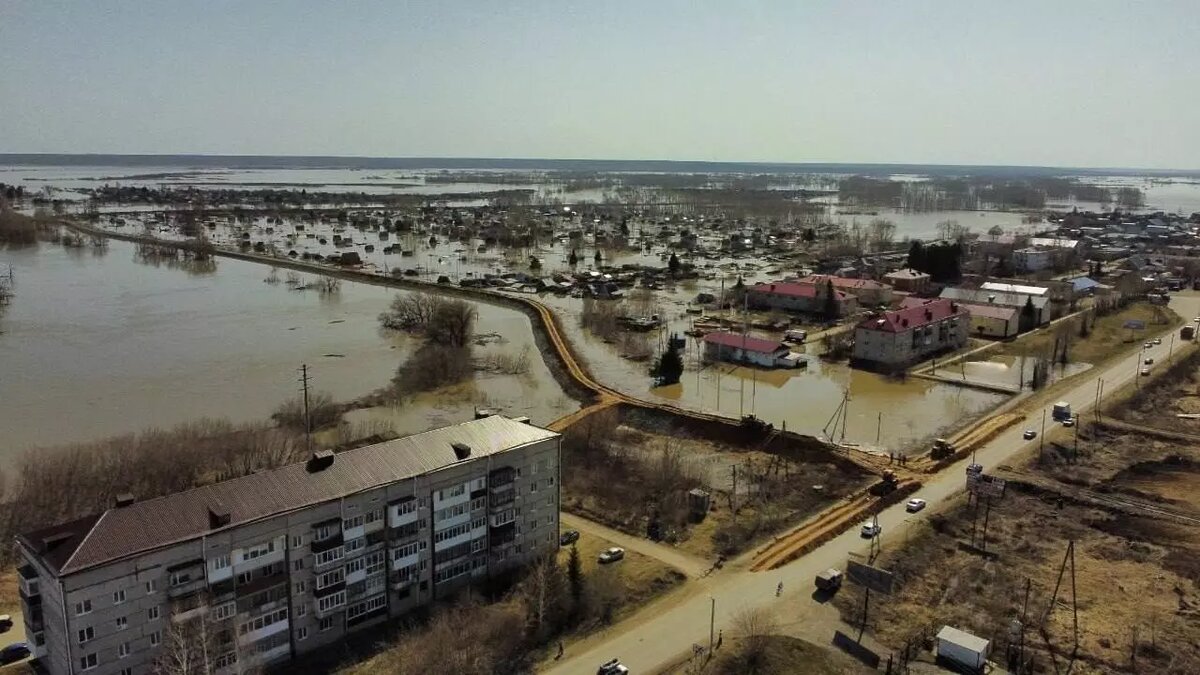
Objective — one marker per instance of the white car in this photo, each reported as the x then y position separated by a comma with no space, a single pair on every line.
612,555
1030,434
612,667
1148,345
914,505
1158,341
870,529
1145,372
1149,360
1069,422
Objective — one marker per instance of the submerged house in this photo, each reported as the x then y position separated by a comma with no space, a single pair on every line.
735,348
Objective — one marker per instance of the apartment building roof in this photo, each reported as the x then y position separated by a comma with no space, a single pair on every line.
912,317
140,527
798,289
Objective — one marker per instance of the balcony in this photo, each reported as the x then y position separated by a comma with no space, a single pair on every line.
330,542
502,477
27,578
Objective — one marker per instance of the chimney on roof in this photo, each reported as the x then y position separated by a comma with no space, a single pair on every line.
320,460
124,499
461,450
218,515
53,541
991,298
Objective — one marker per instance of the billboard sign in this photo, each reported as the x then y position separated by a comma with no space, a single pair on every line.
983,485
873,578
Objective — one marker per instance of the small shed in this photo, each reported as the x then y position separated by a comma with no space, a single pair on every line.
698,504
962,649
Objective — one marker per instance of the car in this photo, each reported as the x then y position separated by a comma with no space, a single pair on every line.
914,505
871,529
1145,372
612,667
568,537
6,622
611,555
1148,345
1069,422
1030,434
1158,341
14,652
1149,360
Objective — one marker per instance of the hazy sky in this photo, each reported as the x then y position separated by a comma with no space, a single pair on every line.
1045,82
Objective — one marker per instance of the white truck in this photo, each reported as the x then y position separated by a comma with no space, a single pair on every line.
1062,411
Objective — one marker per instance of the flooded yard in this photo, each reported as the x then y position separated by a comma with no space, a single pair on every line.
97,343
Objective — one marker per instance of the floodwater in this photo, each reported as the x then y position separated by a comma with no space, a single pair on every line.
95,343
1010,371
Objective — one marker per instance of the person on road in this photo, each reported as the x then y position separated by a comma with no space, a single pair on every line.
560,650
779,589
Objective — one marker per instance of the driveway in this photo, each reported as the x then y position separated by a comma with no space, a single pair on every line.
690,565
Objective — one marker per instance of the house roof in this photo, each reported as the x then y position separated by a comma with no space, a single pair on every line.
791,288
842,282
991,311
746,342
986,297
143,526
1014,288
964,639
907,273
1053,242
915,316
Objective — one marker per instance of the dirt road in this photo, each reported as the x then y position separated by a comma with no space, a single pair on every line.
690,565
659,636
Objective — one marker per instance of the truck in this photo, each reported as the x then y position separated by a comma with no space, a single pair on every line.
1187,333
887,484
830,580
941,449
1062,411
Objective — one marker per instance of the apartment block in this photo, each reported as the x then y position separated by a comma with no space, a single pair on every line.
264,568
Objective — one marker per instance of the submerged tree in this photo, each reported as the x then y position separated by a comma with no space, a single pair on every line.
573,258
669,368
673,264
831,301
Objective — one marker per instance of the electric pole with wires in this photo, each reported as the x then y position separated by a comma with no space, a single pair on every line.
307,418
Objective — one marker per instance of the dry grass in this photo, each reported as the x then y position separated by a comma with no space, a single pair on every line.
1106,339
640,578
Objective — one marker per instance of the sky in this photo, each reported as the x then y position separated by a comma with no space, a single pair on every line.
1080,83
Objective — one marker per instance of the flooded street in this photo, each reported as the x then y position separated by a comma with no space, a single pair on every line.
96,343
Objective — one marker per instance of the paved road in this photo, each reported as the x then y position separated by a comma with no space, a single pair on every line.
657,636
684,562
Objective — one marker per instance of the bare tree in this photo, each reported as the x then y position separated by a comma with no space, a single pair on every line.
755,628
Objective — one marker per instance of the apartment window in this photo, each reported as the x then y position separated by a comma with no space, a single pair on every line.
375,562
118,597
356,565
123,650
220,562
533,487
550,500
298,565
302,633
88,662
331,601
407,507
122,623
83,607
366,606
151,586
180,578
533,524
326,623
451,532
550,480
478,544
263,621
325,532
356,545
477,504
244,578
301,587
86,634
297,541
326,557
373,516
226,660
533,469
405,551
127,671
224,611
258,551
155,638
350,523
478,523
301,610
330,578
456,491
152,614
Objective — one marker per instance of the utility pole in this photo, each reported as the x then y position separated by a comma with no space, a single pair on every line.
712,622
879,428
307,417
1170,347
1042,436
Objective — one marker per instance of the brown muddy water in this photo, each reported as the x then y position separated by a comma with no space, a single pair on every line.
97,343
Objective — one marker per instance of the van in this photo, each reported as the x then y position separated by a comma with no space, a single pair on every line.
795,335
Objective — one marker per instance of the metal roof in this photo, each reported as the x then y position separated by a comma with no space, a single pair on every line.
1014,288
143,526
746,342
964,639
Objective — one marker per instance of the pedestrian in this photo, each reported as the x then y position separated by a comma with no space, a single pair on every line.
891,457
720,638
779,589
560,650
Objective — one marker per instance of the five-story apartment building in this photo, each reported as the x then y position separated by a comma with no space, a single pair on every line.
259,569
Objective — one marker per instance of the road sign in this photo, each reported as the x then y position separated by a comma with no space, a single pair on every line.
983,485
1135,324
873,578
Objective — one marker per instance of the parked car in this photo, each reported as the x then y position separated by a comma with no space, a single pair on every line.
1145,372
1030,434
1069,422
612,667
871,529
612,555
1158,341
1149,360
568,537
14,652
914,505
1148,345
830,580
6,622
